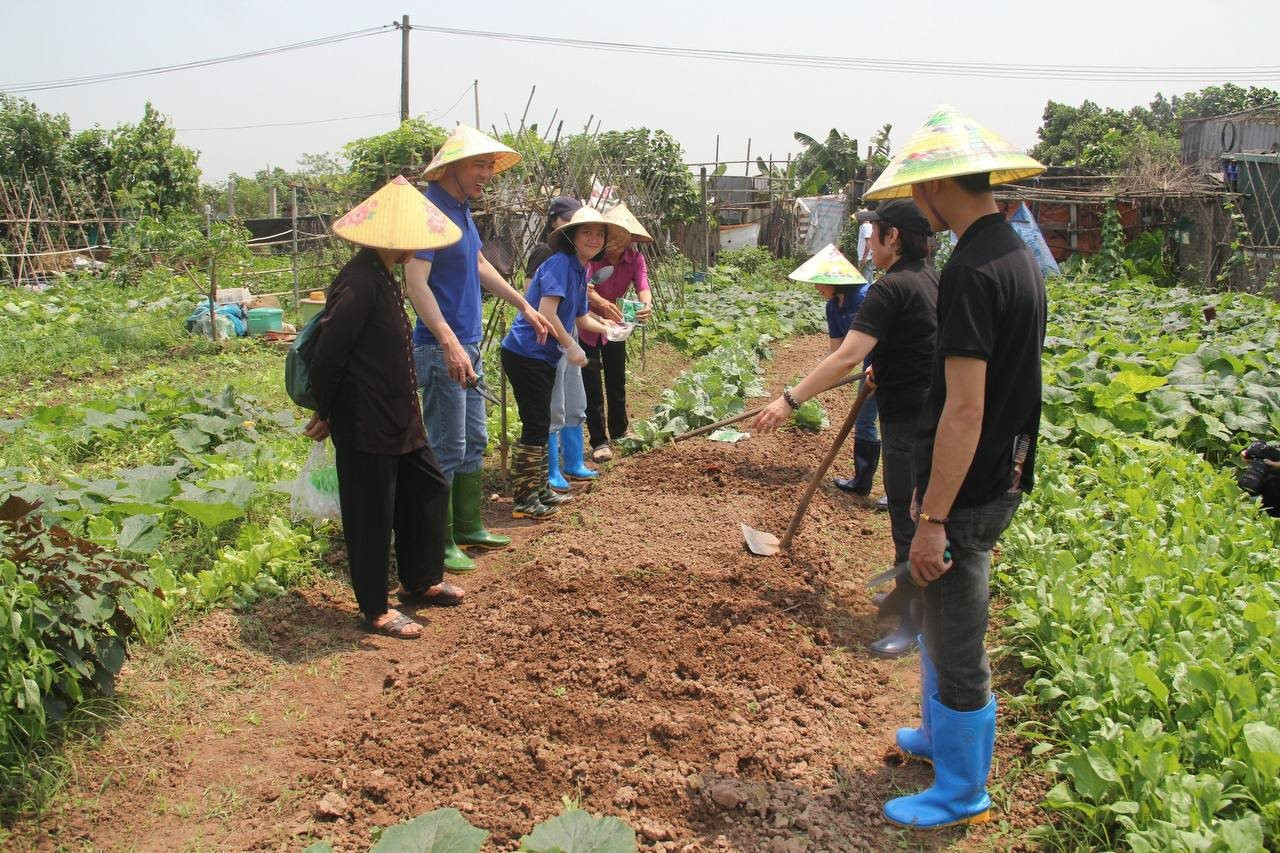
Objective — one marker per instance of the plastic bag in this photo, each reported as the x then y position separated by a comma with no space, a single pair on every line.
315,491
617,333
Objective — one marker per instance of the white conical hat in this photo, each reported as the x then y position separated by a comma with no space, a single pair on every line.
951,144
829,266
464,142
399,217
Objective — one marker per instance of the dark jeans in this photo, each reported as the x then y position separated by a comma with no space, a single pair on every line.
609,358
532,380
381,493
955,605
898,449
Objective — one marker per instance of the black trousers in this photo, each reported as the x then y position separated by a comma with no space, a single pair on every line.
610,359
531,381
381,493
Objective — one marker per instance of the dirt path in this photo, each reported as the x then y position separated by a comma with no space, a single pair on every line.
628,654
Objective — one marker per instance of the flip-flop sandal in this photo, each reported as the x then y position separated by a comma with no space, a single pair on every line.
397,628
449,596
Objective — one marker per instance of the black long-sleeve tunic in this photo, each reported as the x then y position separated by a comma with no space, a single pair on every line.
362,367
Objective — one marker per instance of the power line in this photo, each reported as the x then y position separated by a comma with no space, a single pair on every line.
1115,73
87,80
433,114
288,123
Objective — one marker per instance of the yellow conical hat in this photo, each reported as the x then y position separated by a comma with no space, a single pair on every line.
829,266
951,144
464,142
397,217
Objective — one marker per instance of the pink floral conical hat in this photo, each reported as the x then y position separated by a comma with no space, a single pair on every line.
399,217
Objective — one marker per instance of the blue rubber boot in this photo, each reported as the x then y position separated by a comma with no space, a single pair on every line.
574,465
555,480
963,742
918,743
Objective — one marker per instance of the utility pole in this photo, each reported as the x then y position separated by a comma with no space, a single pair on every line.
293,236
706,223
475,87
404,69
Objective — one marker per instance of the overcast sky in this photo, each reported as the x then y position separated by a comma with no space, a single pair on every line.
693,99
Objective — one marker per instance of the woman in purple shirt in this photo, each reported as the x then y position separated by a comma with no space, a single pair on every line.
610,357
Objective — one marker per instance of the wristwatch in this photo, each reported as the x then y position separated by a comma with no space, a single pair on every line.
924,516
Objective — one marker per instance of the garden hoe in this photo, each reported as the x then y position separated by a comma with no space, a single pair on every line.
765,544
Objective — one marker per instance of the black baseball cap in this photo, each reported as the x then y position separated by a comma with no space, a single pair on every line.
901,213
563,206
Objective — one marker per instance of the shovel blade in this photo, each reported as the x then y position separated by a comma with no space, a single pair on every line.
759,542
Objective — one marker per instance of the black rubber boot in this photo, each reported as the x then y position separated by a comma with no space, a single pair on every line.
902,640
866,459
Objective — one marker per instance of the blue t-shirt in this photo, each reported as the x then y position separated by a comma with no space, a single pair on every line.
455,274
560,275
839,317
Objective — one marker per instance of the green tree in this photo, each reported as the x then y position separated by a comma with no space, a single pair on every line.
643,163
830,164
881,151
1109,139
30,140
87,158
150,172
374,160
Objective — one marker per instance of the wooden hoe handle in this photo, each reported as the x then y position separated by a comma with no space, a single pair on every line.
863,394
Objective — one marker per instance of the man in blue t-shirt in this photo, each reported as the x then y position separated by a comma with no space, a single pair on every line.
444,286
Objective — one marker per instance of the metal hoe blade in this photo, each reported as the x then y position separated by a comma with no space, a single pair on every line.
896,572
760,542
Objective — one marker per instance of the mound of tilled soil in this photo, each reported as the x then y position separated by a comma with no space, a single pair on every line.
629,655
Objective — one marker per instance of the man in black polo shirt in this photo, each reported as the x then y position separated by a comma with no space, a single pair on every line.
975,445
895,324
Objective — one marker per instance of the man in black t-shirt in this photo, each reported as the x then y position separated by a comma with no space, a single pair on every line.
896,324
975,445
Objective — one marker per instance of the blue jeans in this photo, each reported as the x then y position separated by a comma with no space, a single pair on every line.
453,415
955,605
864,428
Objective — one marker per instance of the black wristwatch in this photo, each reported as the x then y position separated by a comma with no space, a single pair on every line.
791,401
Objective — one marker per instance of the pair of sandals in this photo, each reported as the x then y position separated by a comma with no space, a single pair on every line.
402,627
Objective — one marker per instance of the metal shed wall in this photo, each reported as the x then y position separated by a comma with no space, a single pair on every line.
1205,140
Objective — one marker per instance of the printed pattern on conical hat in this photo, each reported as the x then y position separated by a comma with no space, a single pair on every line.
828,266
949,144
465,141
398,217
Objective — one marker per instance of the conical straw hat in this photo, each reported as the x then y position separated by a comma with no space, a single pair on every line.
951,144
398,217
620,214
829,266
613,232
464,142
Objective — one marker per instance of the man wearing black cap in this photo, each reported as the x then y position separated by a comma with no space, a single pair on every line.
896,324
